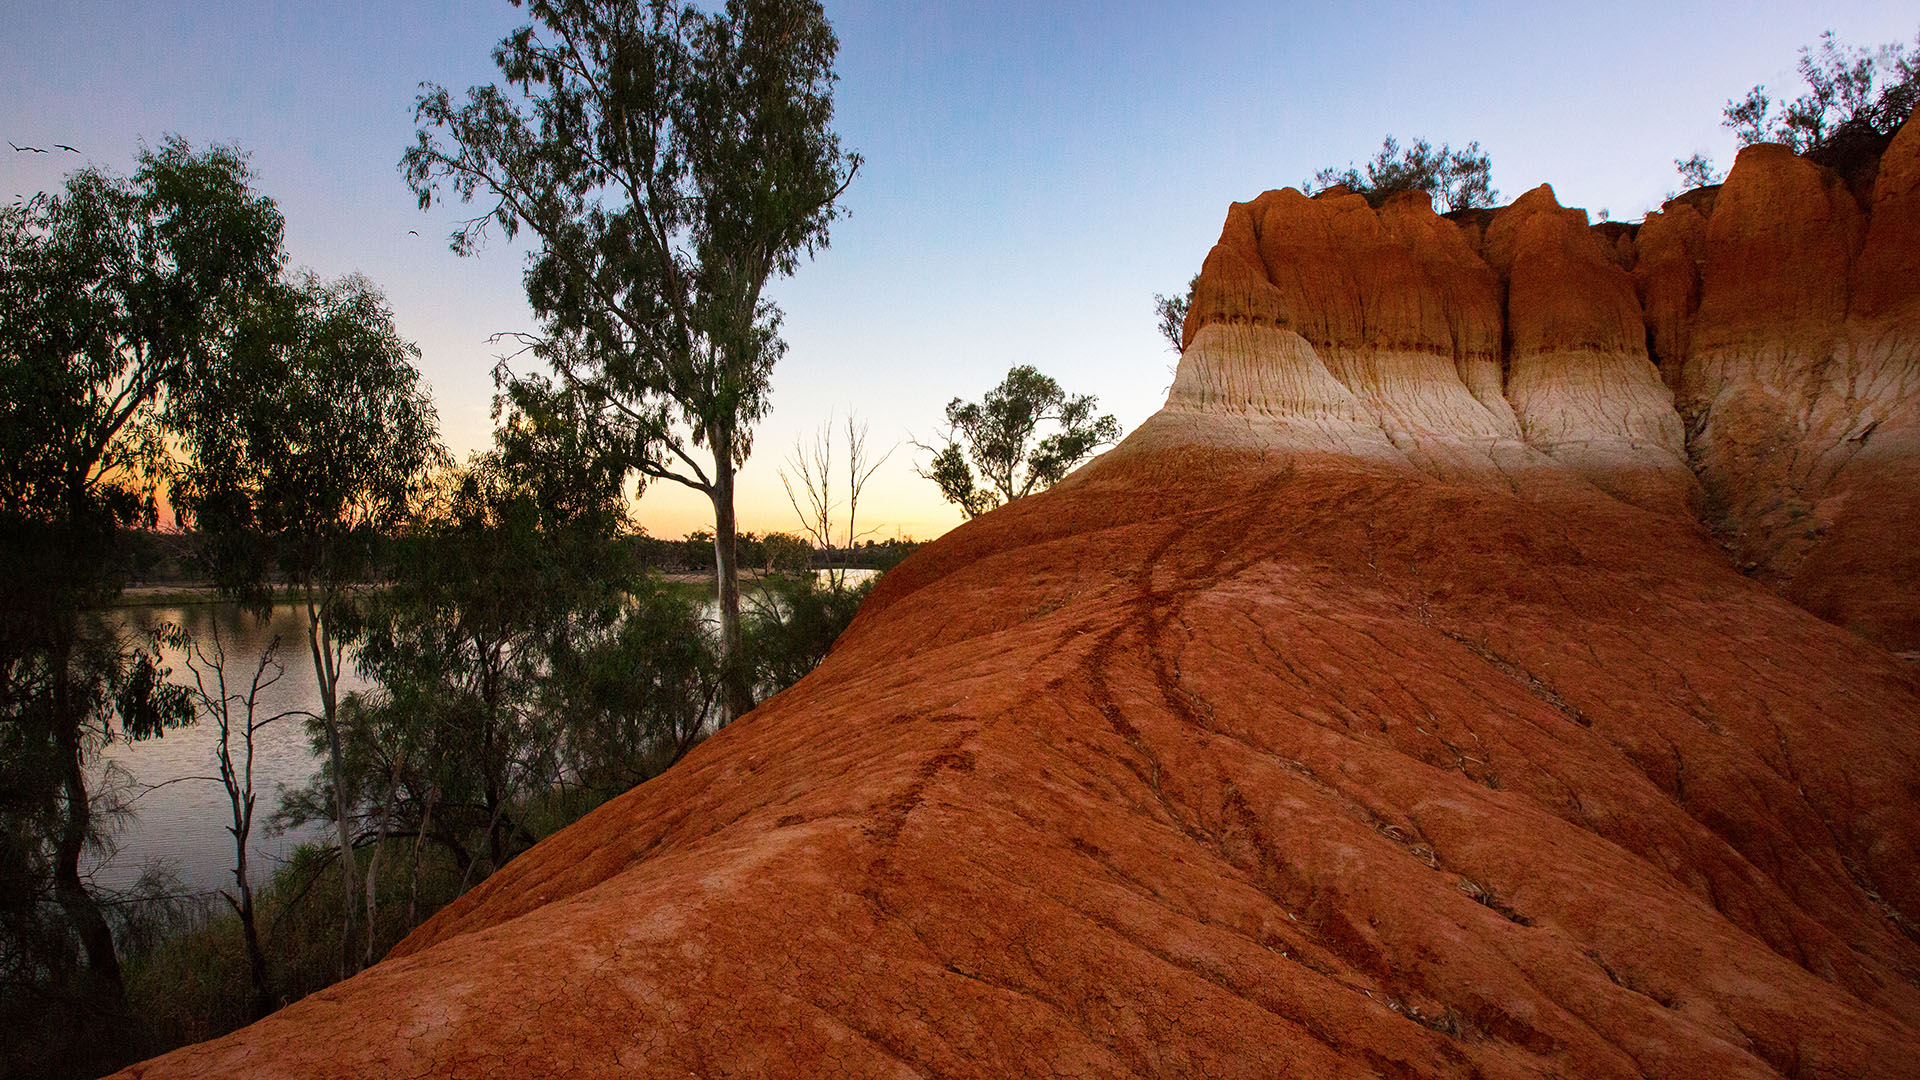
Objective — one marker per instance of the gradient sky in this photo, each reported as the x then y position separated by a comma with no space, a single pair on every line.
1034,173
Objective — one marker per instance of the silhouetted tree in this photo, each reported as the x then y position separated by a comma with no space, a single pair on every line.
1852,93
519,644
235,710
1698,171
1460,179
115,295
1172,311
1000,437
300,461
811,477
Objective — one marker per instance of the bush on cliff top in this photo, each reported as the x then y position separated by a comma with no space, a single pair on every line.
1462,179
1856,99
1852,93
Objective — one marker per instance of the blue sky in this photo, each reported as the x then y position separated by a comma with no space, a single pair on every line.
1034,172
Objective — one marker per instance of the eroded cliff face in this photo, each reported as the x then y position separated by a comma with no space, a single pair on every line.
1379,708
1748,357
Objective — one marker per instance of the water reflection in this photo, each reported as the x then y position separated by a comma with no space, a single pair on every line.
183,821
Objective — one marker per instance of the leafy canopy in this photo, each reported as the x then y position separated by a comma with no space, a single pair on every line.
312,443
116,295
113,294
1461,179
671,160
519,644
1000,437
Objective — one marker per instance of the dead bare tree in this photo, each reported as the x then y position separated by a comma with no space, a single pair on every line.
860,468
811,480
812,473
236,715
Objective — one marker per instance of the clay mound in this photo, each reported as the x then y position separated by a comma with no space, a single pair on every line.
1379,708
1225,762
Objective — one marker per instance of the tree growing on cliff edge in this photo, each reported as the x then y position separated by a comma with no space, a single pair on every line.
1172,313
1000,437
1461,179
671,161
1697,171
1853,95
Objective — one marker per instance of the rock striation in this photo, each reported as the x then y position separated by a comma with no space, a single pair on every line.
1379,708
1749,356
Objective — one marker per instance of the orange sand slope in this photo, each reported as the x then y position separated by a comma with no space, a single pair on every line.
1380,708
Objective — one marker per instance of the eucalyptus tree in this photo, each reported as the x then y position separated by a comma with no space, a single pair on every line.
670,161
303,456
515,555
519,645
994,451
116,294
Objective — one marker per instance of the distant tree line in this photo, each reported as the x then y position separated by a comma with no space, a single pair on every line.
168,557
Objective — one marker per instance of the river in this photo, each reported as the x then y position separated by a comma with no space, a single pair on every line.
181,822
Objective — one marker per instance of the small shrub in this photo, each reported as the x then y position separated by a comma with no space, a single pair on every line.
1461,179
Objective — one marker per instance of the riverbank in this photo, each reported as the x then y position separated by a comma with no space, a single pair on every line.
693,585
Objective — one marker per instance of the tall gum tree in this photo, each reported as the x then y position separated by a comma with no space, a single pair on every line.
115,294
671,162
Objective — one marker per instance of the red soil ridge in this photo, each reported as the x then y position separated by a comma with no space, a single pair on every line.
1378,709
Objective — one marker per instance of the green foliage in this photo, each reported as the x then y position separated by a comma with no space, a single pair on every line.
1461,179
300,458
634,695
1698,171
188,974
671,160
1000,437
793,623
518,645
1172,312
1852,94
311,444
114,294
786,554
117,295
488,584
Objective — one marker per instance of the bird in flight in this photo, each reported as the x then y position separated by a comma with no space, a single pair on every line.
24,149
413,232
64,146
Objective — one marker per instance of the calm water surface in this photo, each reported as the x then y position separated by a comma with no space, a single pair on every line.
182,822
